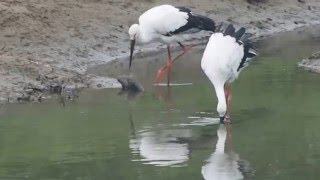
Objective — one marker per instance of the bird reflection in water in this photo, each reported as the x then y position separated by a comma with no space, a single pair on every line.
164,95
224,163
161,149
171,145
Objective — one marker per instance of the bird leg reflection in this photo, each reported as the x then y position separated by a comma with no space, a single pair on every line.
165,96
132,126
228,145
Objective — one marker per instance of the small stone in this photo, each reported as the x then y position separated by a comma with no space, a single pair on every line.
24,99
230,20
38,78
29,91
130,84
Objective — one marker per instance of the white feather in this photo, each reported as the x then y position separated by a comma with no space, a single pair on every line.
221,58
163,19
162,149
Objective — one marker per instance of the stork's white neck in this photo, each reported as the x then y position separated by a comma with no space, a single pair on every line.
222,105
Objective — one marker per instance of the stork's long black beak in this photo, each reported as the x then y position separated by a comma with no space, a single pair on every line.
222,120
132,43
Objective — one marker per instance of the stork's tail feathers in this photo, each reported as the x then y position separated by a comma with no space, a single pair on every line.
229,30
239,33
242,38
249,53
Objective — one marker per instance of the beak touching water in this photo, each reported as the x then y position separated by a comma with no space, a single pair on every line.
222,120
131,51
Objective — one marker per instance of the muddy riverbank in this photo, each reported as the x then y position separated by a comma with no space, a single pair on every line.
49,43
311,63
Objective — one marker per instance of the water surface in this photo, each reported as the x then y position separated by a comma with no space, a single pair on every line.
174,133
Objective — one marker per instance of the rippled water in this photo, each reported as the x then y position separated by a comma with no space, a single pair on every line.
174,133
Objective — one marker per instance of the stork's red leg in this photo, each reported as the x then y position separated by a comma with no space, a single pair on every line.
227,90
170,61
185,49
167,67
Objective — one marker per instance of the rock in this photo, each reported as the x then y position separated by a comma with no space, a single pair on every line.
315,56
130,84
70,93
255,1
51,76
230,20
24,99
29,91
312,63
258,24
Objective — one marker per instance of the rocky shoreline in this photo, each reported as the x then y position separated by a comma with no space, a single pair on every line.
311,63
50,44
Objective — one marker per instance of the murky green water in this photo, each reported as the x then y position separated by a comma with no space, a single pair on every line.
173,133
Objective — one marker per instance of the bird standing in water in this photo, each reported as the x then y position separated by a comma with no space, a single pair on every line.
167,24
226,55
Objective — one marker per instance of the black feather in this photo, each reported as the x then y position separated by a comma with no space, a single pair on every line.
239,33
195,23
230,30
184,9
249,53
245,38
205,23
242,38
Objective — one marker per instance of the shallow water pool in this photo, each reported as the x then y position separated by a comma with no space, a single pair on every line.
173,133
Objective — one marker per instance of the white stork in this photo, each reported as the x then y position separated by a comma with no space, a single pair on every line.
167,24
226,55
